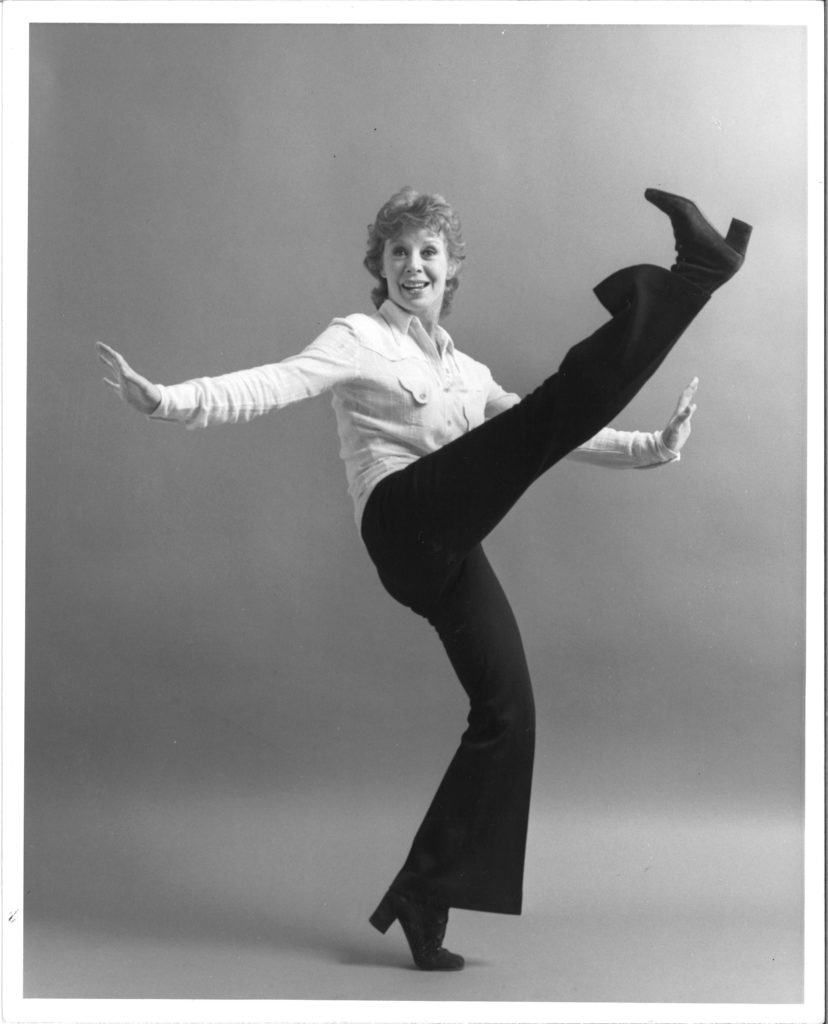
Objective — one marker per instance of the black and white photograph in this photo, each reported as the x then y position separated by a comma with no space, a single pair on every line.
413,518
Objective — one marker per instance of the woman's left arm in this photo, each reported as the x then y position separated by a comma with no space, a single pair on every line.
498,399
625,449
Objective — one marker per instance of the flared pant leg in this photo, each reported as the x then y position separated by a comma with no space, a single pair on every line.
423,527
469,850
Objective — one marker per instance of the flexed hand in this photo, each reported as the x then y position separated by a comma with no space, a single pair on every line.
677,431
140,393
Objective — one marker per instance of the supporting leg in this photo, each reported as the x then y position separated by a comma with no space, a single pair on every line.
469,850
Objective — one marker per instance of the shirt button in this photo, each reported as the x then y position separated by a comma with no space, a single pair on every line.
422,396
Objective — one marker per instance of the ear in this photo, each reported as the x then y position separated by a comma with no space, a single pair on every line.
453,267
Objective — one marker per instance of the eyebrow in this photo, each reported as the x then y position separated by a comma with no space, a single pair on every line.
428,240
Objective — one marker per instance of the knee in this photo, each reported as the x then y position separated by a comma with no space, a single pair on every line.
509,718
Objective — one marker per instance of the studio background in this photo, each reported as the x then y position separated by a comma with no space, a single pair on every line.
231,731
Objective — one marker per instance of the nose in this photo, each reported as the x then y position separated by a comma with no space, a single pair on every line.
413,263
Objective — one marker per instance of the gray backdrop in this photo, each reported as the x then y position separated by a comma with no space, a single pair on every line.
231,731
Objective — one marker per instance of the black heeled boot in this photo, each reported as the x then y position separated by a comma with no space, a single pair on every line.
424,927
703,257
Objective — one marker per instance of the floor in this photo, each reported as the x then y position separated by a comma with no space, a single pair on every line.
266,897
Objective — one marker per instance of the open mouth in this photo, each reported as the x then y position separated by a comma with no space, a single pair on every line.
413,287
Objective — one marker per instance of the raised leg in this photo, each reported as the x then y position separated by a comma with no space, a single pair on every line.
437,509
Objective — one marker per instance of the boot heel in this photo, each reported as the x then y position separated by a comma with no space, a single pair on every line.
738,235
385,914
703,257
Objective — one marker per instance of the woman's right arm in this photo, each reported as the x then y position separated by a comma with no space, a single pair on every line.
331,359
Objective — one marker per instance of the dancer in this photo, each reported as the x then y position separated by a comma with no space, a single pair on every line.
436,453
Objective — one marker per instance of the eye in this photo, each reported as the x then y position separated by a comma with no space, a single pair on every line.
429,252
398,250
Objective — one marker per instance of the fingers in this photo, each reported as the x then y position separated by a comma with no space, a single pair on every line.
112,359
105,353
686,398
682,415
688,393
115,365
106,356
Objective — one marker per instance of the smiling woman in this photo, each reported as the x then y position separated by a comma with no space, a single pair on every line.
436,455
426,216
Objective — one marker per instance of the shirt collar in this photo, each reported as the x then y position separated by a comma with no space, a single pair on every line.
399,318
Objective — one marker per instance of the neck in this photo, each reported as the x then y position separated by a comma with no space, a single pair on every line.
429,322
430,325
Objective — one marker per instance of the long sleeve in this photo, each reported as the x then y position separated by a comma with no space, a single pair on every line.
498,399
331,359
625,449
617,449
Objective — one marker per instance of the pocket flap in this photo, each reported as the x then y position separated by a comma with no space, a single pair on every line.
419,390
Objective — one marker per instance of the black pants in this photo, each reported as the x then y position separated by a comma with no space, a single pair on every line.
423,527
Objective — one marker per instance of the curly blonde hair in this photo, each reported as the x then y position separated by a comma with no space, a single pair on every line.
411,209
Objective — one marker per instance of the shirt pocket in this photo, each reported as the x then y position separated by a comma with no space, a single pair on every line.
396,387
416,393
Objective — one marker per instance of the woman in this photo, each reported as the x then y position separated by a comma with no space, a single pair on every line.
436,453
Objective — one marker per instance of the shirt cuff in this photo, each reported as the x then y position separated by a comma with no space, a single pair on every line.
162,410
661,452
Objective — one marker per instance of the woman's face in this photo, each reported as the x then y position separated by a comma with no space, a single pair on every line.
416,266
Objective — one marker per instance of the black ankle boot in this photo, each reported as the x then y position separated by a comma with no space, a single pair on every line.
424,927
703,257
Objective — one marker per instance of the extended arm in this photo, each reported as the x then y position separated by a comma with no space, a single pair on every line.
236,397
624,449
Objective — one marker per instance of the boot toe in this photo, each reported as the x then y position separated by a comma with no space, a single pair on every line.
441,960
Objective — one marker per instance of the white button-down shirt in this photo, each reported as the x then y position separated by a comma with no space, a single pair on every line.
397,395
